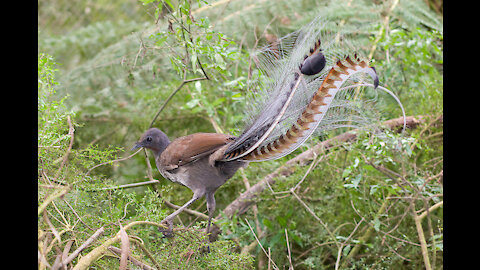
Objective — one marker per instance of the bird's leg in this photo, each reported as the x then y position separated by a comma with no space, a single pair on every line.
169,220
211,209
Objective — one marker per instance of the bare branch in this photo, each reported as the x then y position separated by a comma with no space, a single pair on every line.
268,255
134,260
245,200
83,246
125,248
433,207
288,249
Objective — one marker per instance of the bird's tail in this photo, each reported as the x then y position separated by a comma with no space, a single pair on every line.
302,77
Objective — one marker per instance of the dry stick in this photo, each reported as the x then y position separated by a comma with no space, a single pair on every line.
173,94
246,249
268,255
154,181
83,246
54,230
66,249
147,252
363,239
57,263
244,201
433,207
132,259
337,263
42,261
71,131
421,237
125,248
42,249
88,259
110,162
289,256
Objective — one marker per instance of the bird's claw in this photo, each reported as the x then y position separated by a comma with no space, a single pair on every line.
168,231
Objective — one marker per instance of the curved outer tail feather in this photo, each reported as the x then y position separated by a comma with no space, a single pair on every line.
298,93
313,113
309,119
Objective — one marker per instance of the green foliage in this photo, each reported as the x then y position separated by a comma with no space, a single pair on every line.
73,203
119,63
414,50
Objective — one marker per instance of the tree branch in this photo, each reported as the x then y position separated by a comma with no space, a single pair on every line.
243,202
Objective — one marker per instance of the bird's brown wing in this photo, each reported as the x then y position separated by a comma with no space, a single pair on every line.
189,148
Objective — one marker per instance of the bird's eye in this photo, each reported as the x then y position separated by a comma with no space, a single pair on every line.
149,139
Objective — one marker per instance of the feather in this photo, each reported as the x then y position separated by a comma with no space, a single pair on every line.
313,114
296,92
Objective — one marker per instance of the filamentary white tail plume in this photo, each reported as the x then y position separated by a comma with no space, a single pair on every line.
305,84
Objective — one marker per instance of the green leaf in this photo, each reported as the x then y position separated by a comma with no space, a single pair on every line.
373,189
346,172
282,221
219,61
267,223
192,103
376,224
169,3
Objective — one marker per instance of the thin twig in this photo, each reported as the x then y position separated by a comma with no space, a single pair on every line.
171,96
93,255
421,237
83,246
130,185
54,230
71,131
109,162
317,218
147,252
433,207
132,259
288,249
268,255
52,197
339,255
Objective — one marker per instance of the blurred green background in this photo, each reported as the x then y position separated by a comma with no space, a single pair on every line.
119,61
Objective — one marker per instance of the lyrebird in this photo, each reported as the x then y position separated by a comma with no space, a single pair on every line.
299,81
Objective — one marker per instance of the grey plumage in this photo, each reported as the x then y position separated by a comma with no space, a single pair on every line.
291,102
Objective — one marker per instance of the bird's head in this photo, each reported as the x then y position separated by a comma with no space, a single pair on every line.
153,139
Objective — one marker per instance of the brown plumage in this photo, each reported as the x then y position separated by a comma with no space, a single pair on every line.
205,161
188,161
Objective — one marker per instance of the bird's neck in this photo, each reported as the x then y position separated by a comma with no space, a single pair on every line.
157,151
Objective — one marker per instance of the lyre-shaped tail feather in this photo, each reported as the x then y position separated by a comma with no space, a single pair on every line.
294,92
268,120
309,119
313,114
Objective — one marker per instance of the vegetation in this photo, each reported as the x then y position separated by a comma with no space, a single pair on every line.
109,70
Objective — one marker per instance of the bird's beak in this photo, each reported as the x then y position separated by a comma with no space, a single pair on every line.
136,146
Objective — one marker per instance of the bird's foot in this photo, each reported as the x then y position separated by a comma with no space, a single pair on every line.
168,231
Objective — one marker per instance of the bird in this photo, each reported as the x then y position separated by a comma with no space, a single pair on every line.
301,80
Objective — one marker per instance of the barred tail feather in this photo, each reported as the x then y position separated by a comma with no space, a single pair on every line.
313,114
